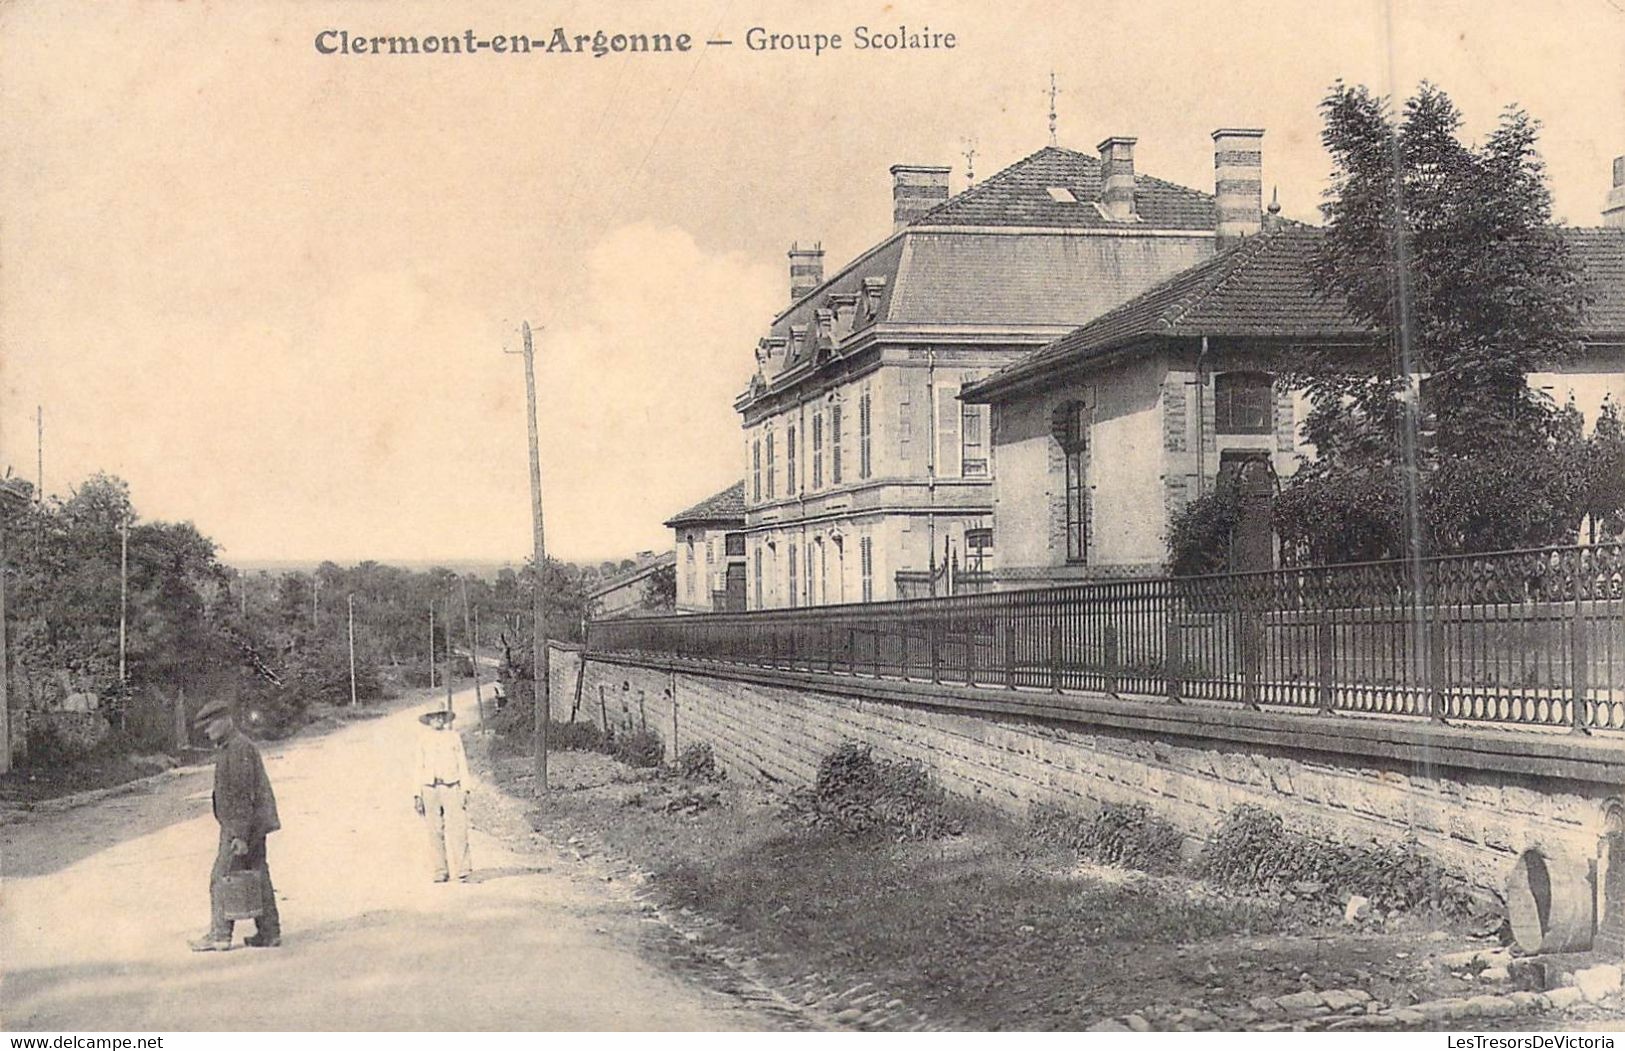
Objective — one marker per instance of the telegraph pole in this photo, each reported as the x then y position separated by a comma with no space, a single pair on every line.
315,598
349,603
431,644
472,631
39,444
449,664
538,595
123,590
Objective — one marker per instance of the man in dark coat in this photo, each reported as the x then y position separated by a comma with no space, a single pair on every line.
245,807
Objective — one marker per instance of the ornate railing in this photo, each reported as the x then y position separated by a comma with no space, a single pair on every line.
1533,638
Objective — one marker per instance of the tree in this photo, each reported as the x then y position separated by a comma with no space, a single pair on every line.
1433,441
660,590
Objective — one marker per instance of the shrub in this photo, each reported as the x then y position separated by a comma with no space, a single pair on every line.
575,737
639,748
857,794
1116,834
698,762
1199,533
1254,849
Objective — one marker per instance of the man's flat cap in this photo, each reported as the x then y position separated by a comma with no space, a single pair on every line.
215,709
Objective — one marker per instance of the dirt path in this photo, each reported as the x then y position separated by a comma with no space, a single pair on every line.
94,928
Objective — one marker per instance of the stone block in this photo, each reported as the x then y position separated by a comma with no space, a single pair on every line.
1598,983
1563,998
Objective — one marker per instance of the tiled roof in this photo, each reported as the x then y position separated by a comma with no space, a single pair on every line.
1601,250
1019,196
726,506
1262,288
1018,279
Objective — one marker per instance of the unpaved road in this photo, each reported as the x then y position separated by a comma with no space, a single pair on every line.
96,905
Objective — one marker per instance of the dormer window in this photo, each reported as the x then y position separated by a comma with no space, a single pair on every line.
1061,195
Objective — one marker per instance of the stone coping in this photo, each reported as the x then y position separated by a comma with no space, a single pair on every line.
1598,758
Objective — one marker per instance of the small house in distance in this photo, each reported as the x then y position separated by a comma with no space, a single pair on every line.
628,594
711,553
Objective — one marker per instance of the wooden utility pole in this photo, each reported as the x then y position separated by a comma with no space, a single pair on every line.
449,664
538,596
315,599
39,443
471,629
349,603
183,739
123,591
431,645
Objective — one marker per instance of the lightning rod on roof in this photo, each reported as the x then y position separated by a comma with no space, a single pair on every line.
969,153
1053,92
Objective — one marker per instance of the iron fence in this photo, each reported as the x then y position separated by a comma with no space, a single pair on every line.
1531,638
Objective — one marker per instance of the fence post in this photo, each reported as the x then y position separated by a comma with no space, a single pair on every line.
852,650
1010,634
1579,677
1252,631
1055,649
1323,664
933,642
1113,661
1173,647
1435,666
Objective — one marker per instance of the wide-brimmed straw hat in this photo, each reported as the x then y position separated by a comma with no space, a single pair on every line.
437,713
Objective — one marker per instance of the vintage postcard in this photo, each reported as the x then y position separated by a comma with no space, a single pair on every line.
741,515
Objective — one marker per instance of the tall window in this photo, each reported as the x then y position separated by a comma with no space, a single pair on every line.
866,563
790,461
818,450
812,596
835,444
1243,402
692,584
770,473
756,469
793,573
1075,444
710,564
865,466
978,549
758,576
973,441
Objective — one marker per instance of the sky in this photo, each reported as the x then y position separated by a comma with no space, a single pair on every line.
279,291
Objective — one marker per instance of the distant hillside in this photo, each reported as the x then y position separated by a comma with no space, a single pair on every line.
486,569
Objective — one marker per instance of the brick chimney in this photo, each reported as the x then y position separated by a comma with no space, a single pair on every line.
1613,208
806,269
915,190
1238,168
1117,177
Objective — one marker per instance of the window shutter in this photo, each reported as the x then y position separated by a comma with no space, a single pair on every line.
948,432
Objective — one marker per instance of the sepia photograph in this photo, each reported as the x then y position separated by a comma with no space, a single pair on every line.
746,516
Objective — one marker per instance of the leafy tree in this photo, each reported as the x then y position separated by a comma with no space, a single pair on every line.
660,589
1434,438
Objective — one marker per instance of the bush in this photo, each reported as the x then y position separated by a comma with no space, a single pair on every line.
638,748
1116,834
1199,533
857,794
575,737
1254,849
697,762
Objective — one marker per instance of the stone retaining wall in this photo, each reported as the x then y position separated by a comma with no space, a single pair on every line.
1475,800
